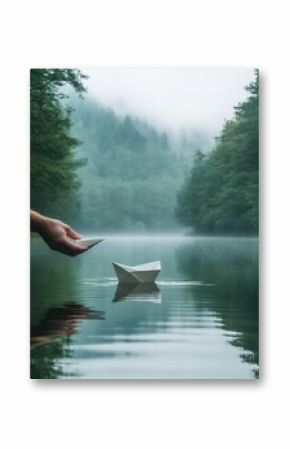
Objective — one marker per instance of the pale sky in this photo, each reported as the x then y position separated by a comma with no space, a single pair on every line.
172,98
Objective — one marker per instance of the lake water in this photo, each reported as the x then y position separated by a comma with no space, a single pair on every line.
200,321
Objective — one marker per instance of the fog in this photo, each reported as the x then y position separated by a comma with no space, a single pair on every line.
176,99
136,153
140,131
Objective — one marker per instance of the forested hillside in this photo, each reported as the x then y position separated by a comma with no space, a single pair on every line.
53,166
109,172
132,173
221,193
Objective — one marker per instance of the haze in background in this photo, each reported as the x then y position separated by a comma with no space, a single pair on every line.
173,98
140,130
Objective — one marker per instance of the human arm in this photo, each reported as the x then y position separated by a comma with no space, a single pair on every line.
58,235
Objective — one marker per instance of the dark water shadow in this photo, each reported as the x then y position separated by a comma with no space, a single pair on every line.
51,337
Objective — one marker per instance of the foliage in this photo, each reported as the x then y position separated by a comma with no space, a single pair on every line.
132,175
221,193
53,164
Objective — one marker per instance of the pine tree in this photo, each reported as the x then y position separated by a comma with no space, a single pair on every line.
221,194
53,164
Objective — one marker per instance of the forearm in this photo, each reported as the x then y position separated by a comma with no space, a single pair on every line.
37,221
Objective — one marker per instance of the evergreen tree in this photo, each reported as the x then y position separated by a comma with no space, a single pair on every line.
53,164
222,192
132,175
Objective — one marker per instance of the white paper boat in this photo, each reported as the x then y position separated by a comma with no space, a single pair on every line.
146,273
89,241
138,293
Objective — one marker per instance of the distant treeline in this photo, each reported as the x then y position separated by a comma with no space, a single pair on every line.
221,194
132,173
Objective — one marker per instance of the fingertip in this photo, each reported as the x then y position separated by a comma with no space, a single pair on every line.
82,245
78,236
73,234
82,248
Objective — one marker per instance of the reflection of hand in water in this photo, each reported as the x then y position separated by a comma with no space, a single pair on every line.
62,321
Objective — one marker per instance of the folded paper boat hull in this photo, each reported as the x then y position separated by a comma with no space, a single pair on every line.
146,273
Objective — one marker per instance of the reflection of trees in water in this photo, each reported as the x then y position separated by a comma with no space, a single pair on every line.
51,337
44,360
232,266
53,279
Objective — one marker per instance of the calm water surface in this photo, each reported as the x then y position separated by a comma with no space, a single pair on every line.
200,321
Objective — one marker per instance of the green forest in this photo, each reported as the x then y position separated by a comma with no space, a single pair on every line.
53,165
221,194
132,174
105,171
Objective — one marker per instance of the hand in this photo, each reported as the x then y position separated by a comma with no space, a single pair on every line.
60,237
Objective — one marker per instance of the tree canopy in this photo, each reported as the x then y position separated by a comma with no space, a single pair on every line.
221,193
53,163
132,173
